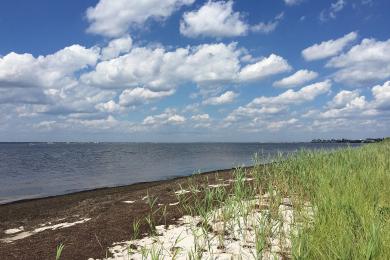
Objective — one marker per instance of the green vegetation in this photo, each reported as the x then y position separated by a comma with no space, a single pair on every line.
59,249
350,192
339,203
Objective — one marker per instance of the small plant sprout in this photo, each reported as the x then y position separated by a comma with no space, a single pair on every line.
59,250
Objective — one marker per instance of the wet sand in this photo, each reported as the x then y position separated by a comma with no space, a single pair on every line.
88,222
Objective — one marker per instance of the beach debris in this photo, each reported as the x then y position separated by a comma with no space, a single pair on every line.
43,227
244,179
14,230
174,204
218,185
129,201
182,192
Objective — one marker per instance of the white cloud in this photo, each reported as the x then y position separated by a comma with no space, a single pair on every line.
290,96
130,97
113,18
350,104
206,65
292,2
176,119
201,120
167,118
271,107
214,19
62,91
356,107
343,98
105,123
337,7
364,63
381,95
117,47
268,26
51,71
276,125
158,69
329,48
266,67
109,106
201,117
367,2
296,79
332,11
225,98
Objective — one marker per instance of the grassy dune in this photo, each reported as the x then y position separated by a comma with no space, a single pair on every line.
312,205
350,191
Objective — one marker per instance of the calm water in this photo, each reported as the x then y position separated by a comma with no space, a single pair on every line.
29,170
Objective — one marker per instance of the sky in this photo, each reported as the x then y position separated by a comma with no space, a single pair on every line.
194,70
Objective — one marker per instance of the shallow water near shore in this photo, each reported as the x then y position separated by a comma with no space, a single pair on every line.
33,170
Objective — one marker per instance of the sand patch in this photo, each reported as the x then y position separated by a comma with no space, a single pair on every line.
245,230
41,229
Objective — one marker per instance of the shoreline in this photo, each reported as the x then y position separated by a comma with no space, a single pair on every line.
268,210
102,216
146,183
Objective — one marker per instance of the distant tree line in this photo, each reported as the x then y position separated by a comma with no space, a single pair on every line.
343,140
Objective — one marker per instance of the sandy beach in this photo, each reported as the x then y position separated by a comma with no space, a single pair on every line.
89,223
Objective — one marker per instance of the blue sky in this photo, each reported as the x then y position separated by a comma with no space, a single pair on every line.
187,70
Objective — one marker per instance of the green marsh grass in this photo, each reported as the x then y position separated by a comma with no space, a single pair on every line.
340,201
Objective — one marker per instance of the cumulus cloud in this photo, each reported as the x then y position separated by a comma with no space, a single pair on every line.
290,96
296,79
201,120
343,98
167,118
158,69
130,97
109,106
269,107
116,47
328,48
113,18
267,27
214,19
352,105
50,81
217,19
51,71
79,86
271,65
381,95
225,98
364,63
